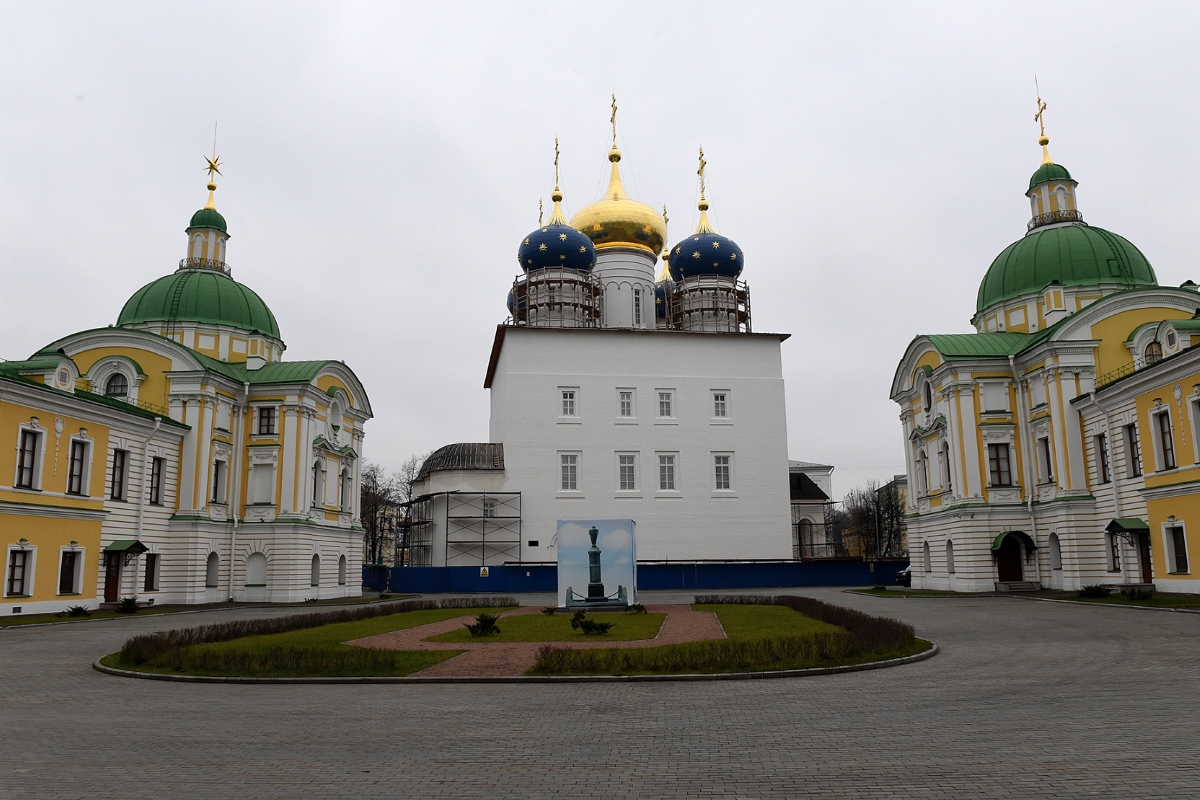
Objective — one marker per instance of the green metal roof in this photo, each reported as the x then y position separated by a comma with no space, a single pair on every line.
90,397
34,364
1127,525
200,295
961,346
273,372
1022,535
126,546
1046,172
1073,255
208,218
1186,324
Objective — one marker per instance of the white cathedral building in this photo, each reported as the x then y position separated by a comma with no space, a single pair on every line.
616,395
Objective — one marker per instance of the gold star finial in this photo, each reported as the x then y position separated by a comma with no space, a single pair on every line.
1040,119
213,168
613,119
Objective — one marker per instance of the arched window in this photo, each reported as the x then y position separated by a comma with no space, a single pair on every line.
944,463
922,473
318,498
342,571
949,557
211,569
806,532
346,501
1153,353
256,570
117,386
928,558
198,246
314,578
1061,191
1055,552
927,395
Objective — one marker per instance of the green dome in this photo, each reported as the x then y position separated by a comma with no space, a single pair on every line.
200,295
1046,172
1073,255
208,218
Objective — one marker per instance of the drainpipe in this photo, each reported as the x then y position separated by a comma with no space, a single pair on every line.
145,491
1029,484
239,437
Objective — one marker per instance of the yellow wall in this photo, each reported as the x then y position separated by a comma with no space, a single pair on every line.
152,390
1186,511
1112,332
49,535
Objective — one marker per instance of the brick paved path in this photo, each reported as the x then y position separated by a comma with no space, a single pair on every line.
514,658
1026,699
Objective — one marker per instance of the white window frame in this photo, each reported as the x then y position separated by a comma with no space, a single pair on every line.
636,479
39,455
563,465
729,466
257,422
1132,442
1113,554
631,417
1045,458
673,466
669,395
220,481
637,306
27,586
1103,464
157,464
125,474
85,478
568,397
77,578
721,405
156,564
1169,547
1160,458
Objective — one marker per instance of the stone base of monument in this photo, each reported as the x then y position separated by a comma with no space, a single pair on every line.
598,600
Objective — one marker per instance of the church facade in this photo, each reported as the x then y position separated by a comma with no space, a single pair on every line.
619,394
1057,446
175,456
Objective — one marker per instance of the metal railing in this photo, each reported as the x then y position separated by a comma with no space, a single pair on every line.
203,263
1053,217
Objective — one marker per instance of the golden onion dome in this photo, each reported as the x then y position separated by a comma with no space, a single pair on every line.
616,220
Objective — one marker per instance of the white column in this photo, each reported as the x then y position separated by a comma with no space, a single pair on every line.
208,410
973,473
289,434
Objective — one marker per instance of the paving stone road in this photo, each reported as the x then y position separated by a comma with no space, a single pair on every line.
1026,699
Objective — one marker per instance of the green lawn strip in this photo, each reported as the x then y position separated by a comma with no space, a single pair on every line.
315,652
764,622
1159,600
557,628
617,662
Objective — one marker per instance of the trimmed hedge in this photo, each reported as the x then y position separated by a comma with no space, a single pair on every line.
155,647
870,633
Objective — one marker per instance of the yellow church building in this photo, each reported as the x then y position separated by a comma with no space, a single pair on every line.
175,456
1058,446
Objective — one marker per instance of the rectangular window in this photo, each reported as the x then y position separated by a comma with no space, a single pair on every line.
218,482
18,560
1047,465
568,403
625,403
1102,459
637,306
722,472
998,465
627,466
156,481
720,408
27,459
66,572
1164,437
666,473
489,507
119,466
266,421
151,584
1178,548
664,404
76,468
570,473
1132,451
1114,553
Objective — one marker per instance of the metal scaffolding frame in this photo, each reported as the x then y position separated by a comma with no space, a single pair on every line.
557,298
710,303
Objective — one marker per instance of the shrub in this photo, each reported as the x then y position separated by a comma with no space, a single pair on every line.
485,625
1134,593
155,646
636,608
1095,590
79,611
127,605
549,611
589,626
872,633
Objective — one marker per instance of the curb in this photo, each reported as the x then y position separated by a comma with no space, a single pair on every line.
722,676
1108,605
947,596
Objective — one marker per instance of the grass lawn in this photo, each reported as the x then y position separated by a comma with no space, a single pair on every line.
557,628
311,652
764,622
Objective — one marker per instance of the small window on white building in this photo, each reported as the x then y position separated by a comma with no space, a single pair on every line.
1114,552
944,465
666,473
568,402
77,469
999,469
926,552
723,475
720,405
220,475
1045,463
627,473
120,475
1133,455
1101,448
570,473
625,403
949,557
637,306
666,404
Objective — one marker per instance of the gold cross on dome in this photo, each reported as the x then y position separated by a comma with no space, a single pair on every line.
700,172
539,212
556,163
1039,117
613,119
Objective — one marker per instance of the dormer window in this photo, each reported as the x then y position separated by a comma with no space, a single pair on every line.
1153,353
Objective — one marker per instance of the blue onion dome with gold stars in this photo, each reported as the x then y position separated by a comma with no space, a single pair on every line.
705,252
557,244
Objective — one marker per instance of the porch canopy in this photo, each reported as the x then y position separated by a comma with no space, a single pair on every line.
1021,536
127,548
1128,525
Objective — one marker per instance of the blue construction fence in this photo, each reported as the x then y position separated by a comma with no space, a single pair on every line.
513,578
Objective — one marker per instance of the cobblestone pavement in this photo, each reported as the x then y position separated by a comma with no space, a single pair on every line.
1026,699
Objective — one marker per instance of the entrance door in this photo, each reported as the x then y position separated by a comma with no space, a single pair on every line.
1143,542
112,577
1008,560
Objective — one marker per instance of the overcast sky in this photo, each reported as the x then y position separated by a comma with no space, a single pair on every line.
382,163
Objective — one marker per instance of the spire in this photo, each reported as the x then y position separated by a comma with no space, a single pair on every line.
704,226
616,189
1040,119
213,168
666,253
556,217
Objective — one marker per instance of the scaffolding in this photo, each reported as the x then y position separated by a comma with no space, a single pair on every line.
557,298
482,528
709,303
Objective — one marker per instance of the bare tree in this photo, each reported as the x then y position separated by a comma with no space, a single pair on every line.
379,500
873,519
